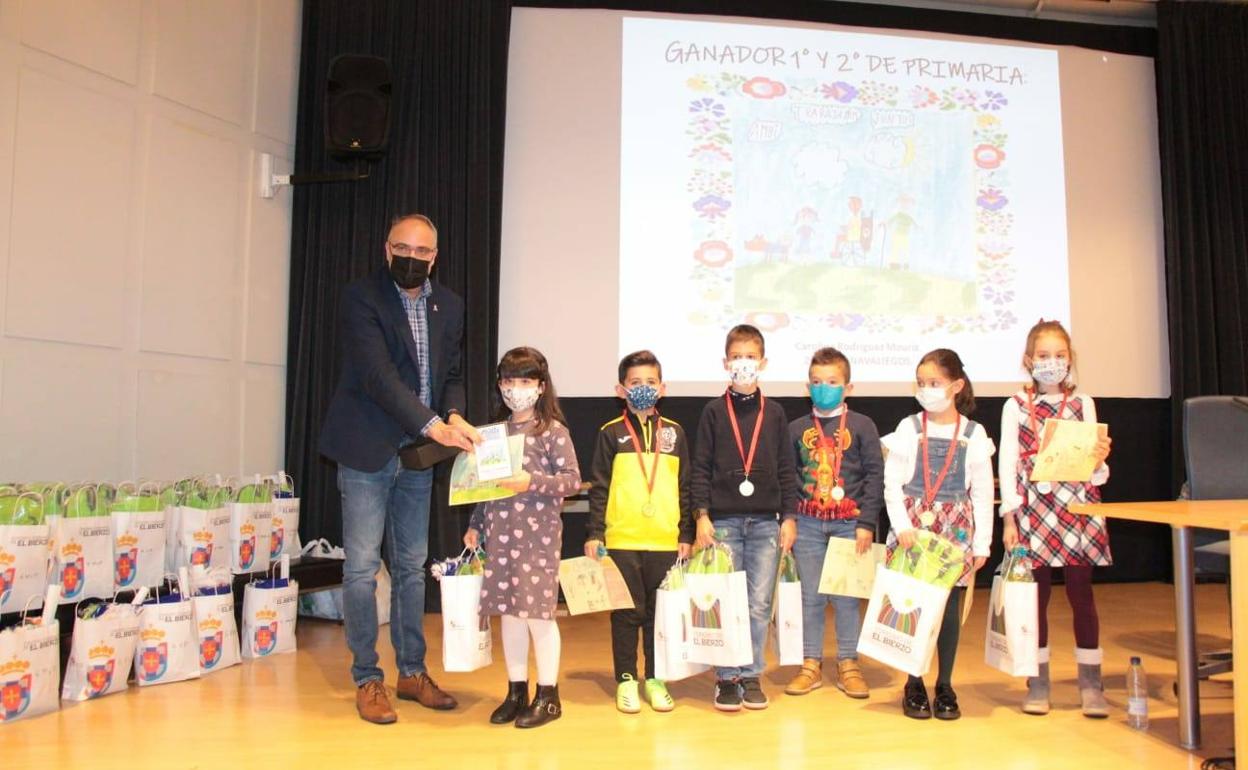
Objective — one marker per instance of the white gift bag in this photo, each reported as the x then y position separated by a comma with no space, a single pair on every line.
788,613
203,536
102,651
138,533
251,524
467,643
719,610
903,618
270,609
216,632
24,548
166,650
30,664
326,604
673,643
82,559
1012,639
284,537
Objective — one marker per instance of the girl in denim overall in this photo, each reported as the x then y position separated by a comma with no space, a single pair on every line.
938,477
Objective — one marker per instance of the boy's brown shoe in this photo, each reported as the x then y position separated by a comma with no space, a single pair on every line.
849,679
810,677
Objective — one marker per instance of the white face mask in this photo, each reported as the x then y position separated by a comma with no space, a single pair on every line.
743,371
933,399
1050,371
519,399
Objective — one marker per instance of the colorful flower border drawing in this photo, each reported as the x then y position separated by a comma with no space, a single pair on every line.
710,187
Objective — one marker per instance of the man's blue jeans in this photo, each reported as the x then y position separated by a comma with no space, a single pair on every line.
391,505
755,543
810,549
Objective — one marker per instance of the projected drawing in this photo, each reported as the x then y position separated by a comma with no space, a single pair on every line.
848,204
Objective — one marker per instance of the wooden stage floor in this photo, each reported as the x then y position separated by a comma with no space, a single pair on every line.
298,710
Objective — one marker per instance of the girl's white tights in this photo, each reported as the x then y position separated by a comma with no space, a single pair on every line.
547,645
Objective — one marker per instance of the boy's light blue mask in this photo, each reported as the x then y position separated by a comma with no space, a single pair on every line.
826,397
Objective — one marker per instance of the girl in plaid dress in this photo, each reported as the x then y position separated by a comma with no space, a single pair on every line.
938,477
1037,516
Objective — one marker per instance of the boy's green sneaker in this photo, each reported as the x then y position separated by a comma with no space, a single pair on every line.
627,698
660,699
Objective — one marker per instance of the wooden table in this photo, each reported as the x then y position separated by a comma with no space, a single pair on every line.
1230,516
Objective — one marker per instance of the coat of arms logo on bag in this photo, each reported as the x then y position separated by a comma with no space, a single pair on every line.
125,561
154,661
15,684
7,578
73,569
100,676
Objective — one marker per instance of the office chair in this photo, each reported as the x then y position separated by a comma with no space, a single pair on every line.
1215,451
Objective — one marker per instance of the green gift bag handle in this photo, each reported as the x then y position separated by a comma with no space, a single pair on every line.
136,498
715,560
85,501
259,491
22,508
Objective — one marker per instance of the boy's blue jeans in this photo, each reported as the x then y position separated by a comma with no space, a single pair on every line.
755,543
809,550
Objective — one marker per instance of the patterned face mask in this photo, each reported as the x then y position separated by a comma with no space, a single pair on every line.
743,371
1050,371
642,397
519,398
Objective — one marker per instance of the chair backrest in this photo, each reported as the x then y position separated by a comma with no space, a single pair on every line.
1215,447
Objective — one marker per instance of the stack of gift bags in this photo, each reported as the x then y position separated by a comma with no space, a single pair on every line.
149,569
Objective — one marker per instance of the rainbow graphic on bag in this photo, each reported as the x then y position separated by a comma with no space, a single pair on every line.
904,622
998,621
705,618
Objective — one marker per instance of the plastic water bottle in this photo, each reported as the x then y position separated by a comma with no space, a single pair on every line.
1137,695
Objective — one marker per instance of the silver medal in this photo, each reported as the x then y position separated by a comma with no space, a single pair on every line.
747,488
1044,487
927,518
647,509
838,494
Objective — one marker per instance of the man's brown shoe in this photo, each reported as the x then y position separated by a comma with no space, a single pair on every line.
373,703
810,677
420,688
849,679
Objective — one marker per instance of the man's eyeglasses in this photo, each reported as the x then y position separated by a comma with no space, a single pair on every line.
404,250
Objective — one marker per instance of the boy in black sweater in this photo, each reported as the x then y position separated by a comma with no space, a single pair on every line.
744,483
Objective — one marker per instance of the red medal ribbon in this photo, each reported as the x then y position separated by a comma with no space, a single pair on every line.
1031,413
736,430
929,496
638,450
837,452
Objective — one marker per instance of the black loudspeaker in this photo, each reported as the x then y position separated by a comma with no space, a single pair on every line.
357,107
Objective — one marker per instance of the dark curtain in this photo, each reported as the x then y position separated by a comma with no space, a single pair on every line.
449,64
1202,76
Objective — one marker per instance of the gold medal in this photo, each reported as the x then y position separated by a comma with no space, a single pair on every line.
927,518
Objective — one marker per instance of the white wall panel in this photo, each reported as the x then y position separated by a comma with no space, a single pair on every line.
70,213
101,35
204,56
191,264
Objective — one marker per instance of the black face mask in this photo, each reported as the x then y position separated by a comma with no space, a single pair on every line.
408,272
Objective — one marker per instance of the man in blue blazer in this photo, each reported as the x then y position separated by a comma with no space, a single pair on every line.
401,380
